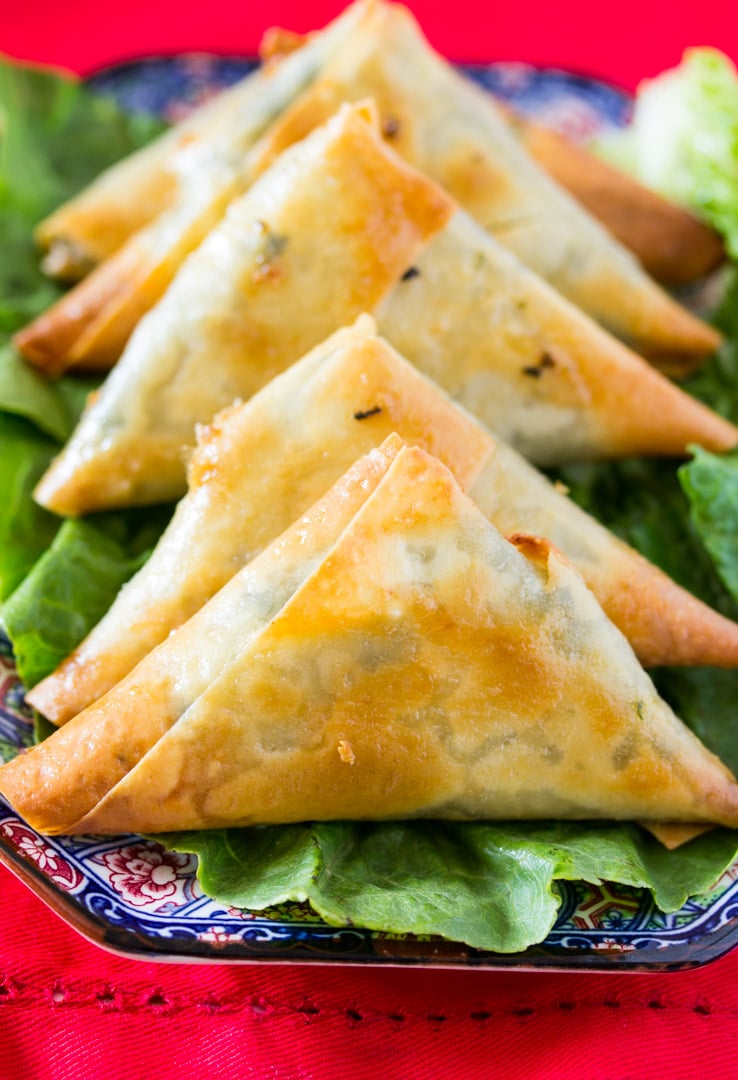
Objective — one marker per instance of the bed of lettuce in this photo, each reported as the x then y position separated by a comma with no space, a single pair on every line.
492,886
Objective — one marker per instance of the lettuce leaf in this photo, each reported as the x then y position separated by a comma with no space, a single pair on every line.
683,140
710,482
26,530
490,886
73,584
55,136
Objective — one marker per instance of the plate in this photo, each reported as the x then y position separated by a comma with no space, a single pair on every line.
134,897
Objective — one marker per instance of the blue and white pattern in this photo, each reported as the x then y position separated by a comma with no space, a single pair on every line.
575,105
131,895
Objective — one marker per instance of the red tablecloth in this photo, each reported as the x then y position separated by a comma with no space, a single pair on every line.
70,1010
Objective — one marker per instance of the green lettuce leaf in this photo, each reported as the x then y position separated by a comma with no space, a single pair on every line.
490,886
73,584
55,136
717,382
710,482
683,140
25,529
23,392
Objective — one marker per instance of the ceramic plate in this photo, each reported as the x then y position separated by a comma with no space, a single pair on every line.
132,896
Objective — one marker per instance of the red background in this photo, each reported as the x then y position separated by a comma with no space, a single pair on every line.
622,41
69,1010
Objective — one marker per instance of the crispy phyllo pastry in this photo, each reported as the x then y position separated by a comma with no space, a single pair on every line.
261,463
88,327
437,120
340,224
453,130
90,227
529,364
324,234
390,656
670,243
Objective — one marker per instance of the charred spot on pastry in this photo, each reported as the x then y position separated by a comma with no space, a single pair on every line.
410,273
534,371
364,414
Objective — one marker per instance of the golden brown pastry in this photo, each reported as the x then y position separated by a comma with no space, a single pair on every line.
669,242
89,228
390,656
437,120
261,463
450,128
324,234
209,160
529,364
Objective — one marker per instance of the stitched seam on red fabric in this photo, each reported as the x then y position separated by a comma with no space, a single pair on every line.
155,1001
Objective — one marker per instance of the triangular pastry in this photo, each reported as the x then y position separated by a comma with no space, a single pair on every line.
261,463
320,238
415,664
443,125
207,161
90,227
450,128
529,364
64,776
327,232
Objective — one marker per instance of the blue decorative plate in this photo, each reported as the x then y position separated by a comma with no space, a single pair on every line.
575,105
132,896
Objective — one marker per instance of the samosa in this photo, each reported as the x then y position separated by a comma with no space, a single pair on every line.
392,655
261,463
340,225
437,120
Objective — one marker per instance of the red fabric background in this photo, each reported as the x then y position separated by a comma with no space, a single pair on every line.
622,41
69,1010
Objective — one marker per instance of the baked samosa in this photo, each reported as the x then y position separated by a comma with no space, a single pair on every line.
218,158
529,364
672,245
450,128
324,234
440,123
327,232
411,663
89,228
261,463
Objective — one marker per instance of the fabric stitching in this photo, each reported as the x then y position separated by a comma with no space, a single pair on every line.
155,1001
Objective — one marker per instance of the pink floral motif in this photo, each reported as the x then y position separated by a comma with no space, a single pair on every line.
217,936
44,856
48,860
147,874
242,913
